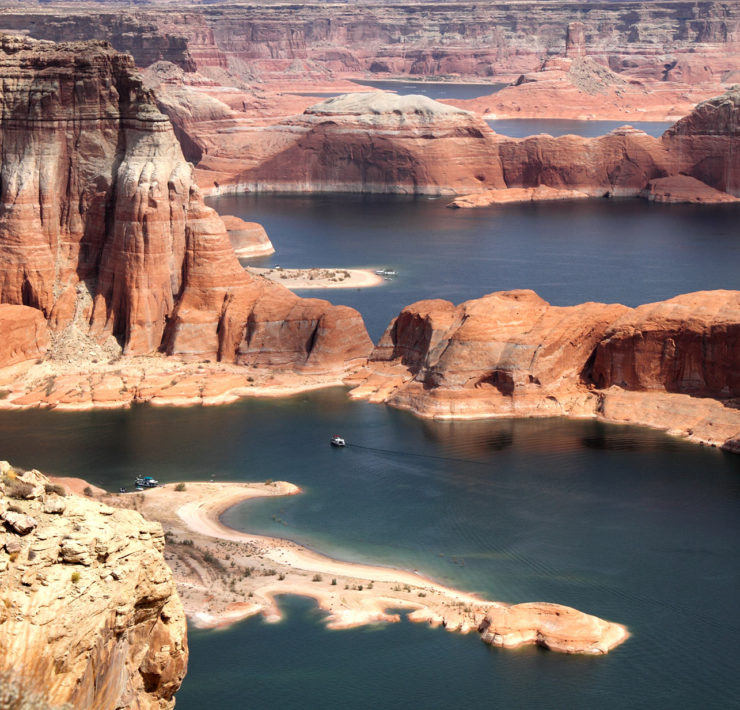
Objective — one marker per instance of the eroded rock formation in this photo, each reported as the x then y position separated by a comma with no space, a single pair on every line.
102,226
24,334
89,614
672,364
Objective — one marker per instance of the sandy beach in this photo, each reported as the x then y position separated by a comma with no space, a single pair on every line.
224,575
319,277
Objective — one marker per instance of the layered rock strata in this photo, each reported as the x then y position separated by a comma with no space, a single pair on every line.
670,39
102,225
89,614
672,364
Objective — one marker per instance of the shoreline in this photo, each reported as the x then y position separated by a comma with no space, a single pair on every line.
352,594
319,278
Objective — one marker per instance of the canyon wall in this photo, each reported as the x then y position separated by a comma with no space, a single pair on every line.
688,41
89,613
103,229
672,364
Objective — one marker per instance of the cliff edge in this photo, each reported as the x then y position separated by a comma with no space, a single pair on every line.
89,614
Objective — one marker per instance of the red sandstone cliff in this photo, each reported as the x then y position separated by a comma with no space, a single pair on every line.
103,228
672,364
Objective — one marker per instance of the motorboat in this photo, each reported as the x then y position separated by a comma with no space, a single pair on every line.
386,272
146,482
337,440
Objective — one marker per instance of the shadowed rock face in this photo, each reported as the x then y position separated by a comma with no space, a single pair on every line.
97,201
88,606
706,143
688,344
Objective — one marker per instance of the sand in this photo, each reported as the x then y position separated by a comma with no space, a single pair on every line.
319,278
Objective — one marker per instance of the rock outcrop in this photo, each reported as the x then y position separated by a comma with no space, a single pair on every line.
552,626
659,39
689,344
101,223
672,365
365,142
89,614
249,239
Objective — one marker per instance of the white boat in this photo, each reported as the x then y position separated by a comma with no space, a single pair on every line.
146,482
386,272
337,440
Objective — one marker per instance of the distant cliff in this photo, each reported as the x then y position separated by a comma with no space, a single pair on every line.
662,39
89,614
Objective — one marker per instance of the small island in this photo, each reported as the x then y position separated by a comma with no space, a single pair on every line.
319,277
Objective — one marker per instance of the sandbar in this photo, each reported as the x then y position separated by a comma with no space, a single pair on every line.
224,575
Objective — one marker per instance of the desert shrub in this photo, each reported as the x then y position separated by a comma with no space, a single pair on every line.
334,582
317,578
15,488
180,487
55,488
88,491
75,577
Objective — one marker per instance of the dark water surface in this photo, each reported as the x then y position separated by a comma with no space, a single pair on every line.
622,522
522,127
626,251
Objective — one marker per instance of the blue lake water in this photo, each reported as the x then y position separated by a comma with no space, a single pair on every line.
622,522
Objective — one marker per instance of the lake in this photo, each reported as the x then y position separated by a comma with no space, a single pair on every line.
623,522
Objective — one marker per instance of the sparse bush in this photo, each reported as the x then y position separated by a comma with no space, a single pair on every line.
188,542
422,594
268,482
75,577
88,491
180,487
334,582
15,488
281,576
317,578
269,572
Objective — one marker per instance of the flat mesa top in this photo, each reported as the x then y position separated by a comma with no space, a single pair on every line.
383,102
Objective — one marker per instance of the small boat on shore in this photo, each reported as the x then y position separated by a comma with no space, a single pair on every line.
387,273
337,440
146,482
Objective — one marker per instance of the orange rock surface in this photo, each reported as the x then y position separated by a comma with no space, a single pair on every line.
25,335
552,626
682,188
673,365
249,239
